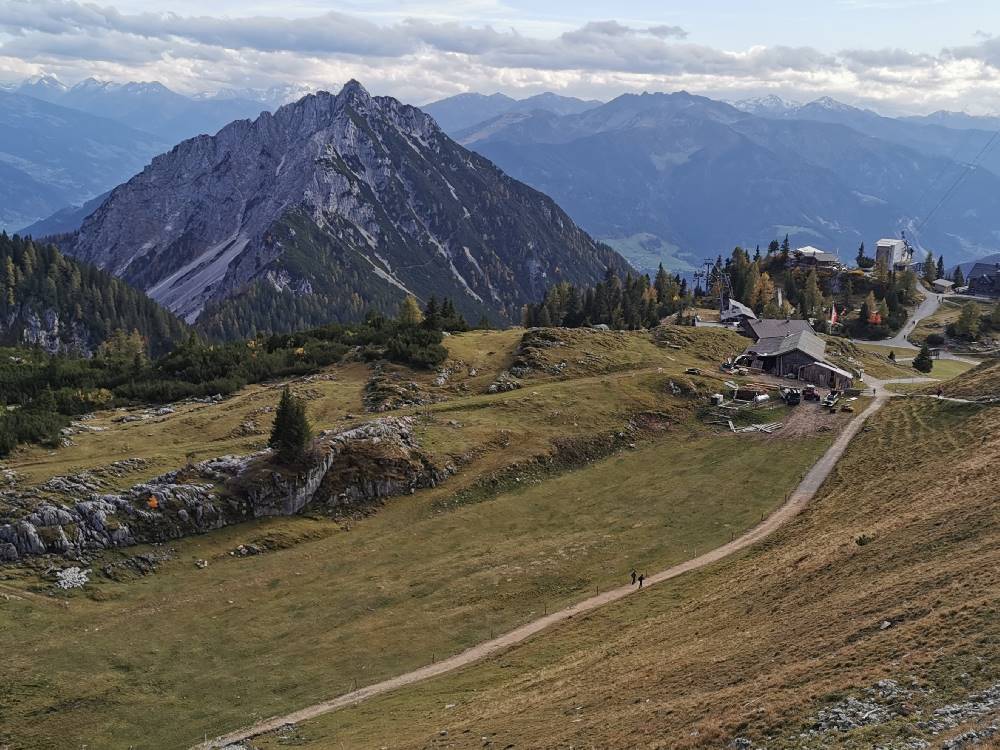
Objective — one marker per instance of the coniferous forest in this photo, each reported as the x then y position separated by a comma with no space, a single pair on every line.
52,300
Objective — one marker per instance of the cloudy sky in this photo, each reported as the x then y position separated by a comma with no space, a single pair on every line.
895,55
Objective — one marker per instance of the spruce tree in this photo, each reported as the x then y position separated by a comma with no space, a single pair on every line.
923,362
432,315
291,432
959,277
930,269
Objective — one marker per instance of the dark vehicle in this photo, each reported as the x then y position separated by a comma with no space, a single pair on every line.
791,396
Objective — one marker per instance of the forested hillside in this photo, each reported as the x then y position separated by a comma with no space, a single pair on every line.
62,305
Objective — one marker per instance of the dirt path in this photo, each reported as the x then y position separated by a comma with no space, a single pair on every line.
797,500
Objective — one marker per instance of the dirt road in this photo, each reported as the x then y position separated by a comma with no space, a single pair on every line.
796,501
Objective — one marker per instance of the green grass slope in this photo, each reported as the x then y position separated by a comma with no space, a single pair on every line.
891,573
593,466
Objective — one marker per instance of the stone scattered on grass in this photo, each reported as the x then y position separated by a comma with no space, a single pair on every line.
72,578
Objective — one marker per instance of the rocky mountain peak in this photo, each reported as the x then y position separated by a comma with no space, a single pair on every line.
335,203
354,92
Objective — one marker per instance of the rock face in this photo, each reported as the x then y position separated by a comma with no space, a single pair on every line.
349,201
349,470
46,330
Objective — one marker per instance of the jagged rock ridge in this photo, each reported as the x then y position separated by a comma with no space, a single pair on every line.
351,199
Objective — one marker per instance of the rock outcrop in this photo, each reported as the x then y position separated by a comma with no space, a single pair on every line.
348,471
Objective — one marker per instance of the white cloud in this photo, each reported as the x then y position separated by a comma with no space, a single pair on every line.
431,54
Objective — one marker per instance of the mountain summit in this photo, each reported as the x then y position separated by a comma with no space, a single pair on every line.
326,208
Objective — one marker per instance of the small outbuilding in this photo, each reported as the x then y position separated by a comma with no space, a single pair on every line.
943,286
826,375
810,256
733,311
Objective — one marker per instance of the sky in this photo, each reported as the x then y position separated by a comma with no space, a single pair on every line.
897,56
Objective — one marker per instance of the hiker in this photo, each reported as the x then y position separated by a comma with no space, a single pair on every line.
642,577
634,574
940,392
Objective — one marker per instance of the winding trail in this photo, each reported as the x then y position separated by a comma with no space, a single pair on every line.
802,494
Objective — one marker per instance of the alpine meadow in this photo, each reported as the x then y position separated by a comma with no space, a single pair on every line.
497,376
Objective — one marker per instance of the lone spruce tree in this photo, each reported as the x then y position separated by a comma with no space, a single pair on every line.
291,431
923,362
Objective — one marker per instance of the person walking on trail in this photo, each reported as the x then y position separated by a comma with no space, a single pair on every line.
642,577
634,574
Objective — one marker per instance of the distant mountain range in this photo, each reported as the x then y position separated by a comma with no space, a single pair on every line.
953,135
461,111
680,177
661,177
332,206
53,156
153,108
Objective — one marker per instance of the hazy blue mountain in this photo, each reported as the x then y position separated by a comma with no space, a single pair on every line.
464,110
65,220
698,176
957,120
766,106
926,135
48,88
52,156
152,107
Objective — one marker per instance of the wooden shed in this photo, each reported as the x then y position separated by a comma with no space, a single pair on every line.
826,375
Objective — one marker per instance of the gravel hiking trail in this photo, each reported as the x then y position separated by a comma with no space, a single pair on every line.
802,494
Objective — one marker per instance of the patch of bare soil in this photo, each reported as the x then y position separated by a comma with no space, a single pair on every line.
808,419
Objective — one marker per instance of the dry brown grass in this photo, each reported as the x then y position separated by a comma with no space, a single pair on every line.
754,646
983,380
